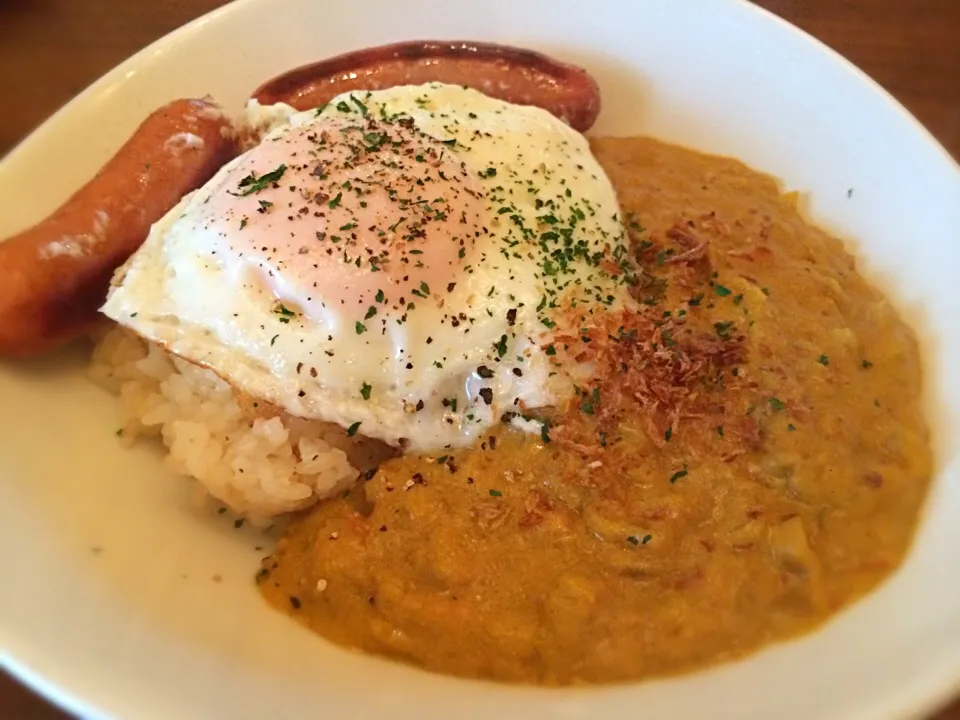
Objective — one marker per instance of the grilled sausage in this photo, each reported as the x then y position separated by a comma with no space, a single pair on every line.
519,76
54,275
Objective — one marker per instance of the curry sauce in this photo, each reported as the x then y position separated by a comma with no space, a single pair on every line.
751,457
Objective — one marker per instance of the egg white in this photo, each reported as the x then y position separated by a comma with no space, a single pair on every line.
417,383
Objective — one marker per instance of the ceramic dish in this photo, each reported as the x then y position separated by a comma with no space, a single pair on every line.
109,604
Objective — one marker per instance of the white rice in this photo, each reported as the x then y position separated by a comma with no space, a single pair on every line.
260,462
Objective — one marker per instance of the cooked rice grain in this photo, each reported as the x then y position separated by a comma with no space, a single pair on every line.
256,459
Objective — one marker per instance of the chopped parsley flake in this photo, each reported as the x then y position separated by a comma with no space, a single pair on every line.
365,391
544,434
251,183
352,430
723,329
363,108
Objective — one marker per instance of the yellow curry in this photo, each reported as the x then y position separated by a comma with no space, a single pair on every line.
751,458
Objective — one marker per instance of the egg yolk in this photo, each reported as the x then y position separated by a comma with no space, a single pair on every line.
350,212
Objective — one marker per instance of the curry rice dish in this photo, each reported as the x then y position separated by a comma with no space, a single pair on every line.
750,458
531,408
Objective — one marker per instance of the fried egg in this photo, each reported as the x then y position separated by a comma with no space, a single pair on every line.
400,262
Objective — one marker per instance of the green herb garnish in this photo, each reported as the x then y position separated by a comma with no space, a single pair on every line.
251,183
677,475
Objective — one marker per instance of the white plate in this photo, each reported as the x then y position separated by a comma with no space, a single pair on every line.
140,629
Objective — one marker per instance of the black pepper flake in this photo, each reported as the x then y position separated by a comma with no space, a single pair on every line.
487,395
518,372
238,523
295,602
485,372
511,316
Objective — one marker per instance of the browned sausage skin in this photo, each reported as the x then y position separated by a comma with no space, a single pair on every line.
508,73
54,275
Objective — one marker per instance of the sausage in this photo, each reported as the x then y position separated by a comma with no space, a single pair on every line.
508,73
54,276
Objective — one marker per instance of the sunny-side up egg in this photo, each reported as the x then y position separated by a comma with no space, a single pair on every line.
398,262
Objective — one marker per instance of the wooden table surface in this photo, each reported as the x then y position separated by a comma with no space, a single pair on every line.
51,49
